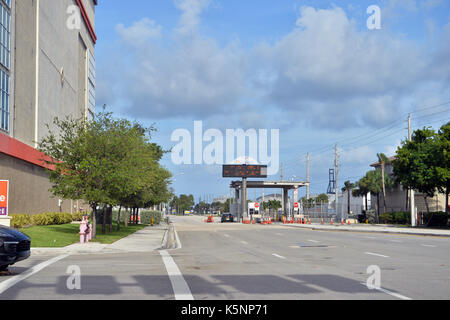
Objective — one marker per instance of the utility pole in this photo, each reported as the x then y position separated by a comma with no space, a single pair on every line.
307,176
282,192
411,191
336,186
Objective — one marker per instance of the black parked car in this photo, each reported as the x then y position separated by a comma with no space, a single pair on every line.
14,247
227,217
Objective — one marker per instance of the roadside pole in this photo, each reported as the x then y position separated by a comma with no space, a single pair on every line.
411,191
244,198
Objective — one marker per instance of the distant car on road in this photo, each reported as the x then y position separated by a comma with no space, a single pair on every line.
227,217
14,247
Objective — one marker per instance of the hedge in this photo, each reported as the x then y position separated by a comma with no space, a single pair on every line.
146,216
396,218
44,219
438,219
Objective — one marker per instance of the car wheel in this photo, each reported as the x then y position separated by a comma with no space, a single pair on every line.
3,268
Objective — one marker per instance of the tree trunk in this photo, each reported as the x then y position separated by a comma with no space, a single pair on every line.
110,212
118,219
446,199
367,202
348,204
407,199
126,218
104,220
384,186
378,207
94,222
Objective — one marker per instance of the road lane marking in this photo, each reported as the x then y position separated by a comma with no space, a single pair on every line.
180,287
178,239
428,245
227,235
397,241
278,256
294,247
5,285
314,241
397,295
244,242
377,254
279,234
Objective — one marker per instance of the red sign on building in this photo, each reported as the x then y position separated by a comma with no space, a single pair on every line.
4,186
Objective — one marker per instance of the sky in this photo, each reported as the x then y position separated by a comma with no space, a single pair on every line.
313,70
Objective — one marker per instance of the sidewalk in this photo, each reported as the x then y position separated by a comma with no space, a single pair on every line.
374,228
145,240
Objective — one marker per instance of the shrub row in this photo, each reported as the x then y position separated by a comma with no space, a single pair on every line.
44,219
432,219
435,219
146,216
395,218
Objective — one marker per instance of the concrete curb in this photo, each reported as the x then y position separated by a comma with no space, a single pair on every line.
129,244
375,229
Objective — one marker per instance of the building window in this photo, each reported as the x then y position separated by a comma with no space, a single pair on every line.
5,36
4,103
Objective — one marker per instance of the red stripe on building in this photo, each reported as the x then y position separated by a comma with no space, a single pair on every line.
87,20
22,151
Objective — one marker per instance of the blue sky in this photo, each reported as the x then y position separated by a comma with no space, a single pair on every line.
311,69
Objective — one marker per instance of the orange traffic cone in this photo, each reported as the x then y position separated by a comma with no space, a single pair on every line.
322,222
331,220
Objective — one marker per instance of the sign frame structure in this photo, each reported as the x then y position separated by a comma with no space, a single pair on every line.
4,186
244,171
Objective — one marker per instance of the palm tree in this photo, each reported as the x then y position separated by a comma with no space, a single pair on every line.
383,160
348,186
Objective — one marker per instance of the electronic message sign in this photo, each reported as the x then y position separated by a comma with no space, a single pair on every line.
244,171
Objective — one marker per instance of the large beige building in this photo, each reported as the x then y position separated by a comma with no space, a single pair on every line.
47,70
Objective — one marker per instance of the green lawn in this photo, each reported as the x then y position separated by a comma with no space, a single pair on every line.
67,234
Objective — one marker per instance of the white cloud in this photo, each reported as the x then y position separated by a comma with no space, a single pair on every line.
140,32
190,18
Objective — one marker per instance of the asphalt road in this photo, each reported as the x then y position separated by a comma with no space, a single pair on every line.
240,262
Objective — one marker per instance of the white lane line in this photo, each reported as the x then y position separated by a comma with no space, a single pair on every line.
390,293
397,241
294,247
178,239
376,254
227,235
180,287
314,241
278,256
244,242
279,234
428,245
5,285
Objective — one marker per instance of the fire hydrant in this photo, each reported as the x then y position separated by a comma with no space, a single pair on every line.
85,230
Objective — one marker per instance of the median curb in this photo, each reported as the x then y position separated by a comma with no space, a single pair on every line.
376,229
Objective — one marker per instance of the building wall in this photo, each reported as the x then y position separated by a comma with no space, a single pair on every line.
23,110
62,67
29,185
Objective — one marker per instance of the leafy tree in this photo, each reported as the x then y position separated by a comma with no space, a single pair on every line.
104,162
417,162
323,197
362,189
443,161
